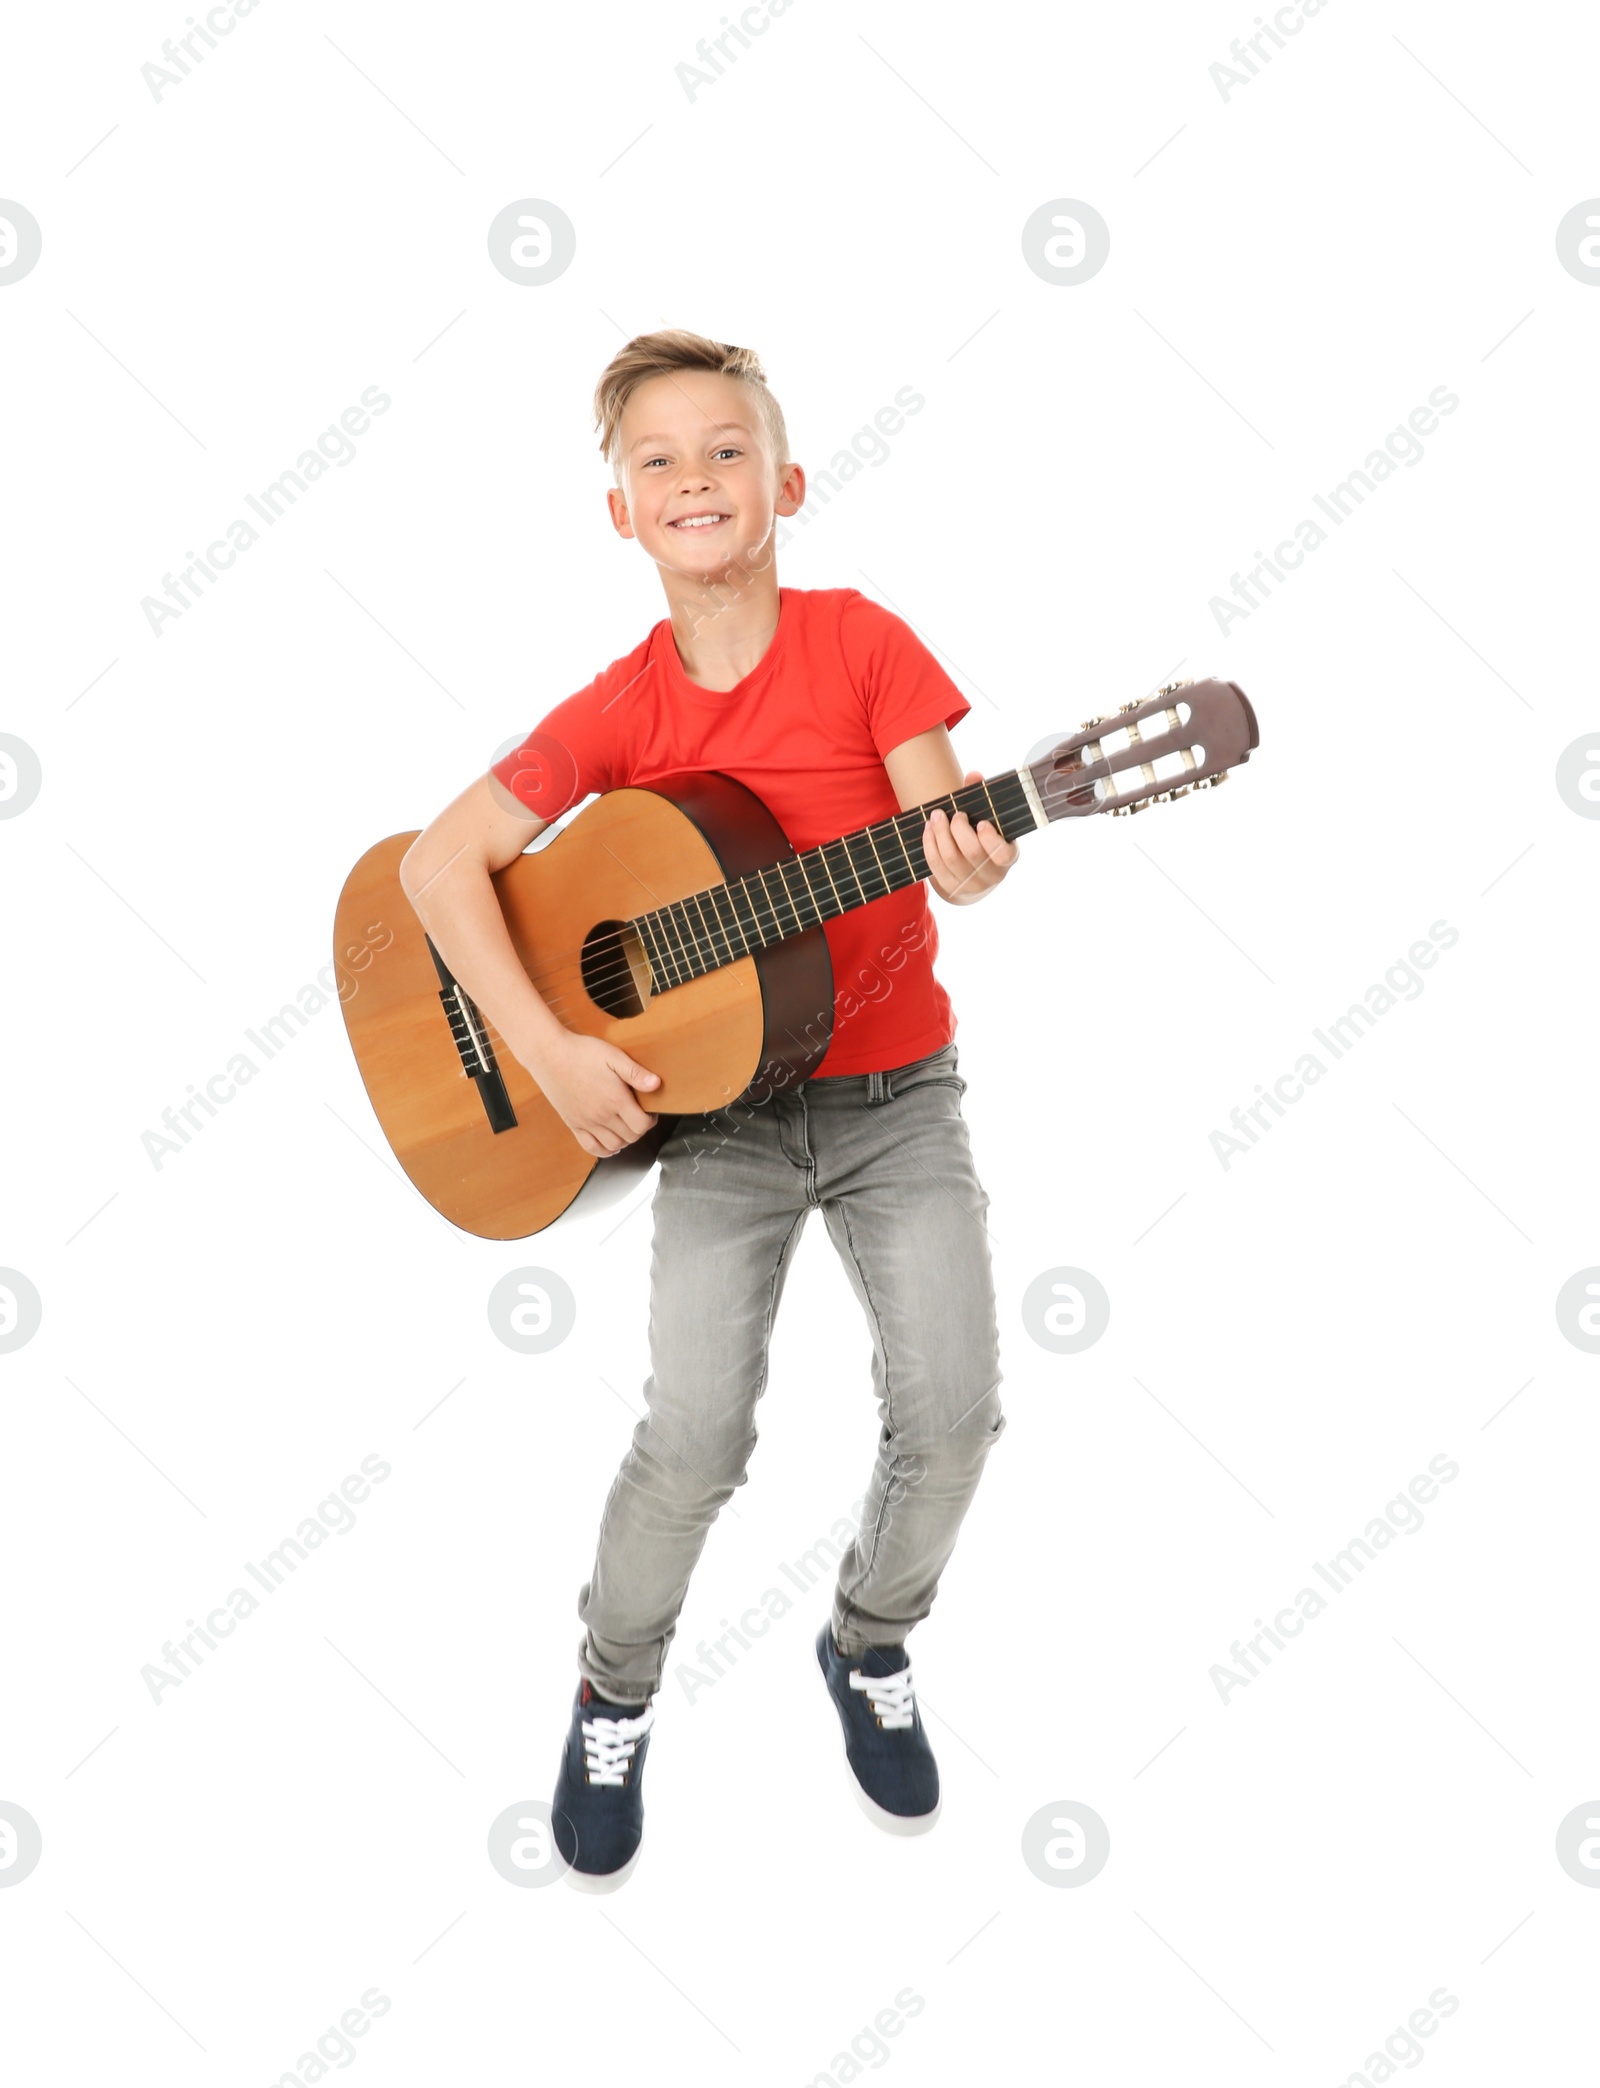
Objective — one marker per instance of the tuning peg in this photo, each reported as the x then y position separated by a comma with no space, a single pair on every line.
1163,797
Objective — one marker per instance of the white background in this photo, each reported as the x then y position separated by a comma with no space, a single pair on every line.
1292,1337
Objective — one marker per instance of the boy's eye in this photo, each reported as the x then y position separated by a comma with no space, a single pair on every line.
727,450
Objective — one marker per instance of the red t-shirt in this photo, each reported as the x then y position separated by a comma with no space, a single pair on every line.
842,683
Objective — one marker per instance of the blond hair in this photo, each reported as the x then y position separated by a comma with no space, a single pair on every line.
658,355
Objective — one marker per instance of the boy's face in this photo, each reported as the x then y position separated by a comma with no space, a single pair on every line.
694,443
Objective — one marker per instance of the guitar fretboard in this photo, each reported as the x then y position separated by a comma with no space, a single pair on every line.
693,936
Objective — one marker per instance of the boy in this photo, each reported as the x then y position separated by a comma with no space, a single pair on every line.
829,708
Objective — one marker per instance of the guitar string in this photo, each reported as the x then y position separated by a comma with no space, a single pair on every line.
948,803
703,940
701,944
613,969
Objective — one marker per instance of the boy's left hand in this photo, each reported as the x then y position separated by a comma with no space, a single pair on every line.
965,861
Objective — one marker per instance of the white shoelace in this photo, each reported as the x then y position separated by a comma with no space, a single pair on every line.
608,1744
892,1698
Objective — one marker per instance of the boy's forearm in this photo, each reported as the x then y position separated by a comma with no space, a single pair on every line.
461,912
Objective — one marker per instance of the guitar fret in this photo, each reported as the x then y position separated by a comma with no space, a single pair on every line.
844,843
658,941
822,862
912,861
755,934
711,931
776,915
806,888
675,931
887,873
720,897
878,859
1018,815
871,835
789,864
860,870
659,974
911,868
705,939
1019,818
796,899
755,911
780,871
734,894
694,915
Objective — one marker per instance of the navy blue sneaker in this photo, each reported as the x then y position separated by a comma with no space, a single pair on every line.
891,1764
597,1814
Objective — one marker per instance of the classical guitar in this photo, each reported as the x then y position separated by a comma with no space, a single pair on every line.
678,921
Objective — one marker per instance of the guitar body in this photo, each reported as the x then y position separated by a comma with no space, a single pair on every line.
743,1029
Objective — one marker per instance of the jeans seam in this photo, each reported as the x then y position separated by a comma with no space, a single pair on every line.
888,1395
812,1199
772,1297
761,1386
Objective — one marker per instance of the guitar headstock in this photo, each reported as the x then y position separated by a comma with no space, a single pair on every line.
1187,736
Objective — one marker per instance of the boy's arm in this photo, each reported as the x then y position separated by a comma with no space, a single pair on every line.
964,861
446,876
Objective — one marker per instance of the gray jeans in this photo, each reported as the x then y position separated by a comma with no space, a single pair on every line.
886,1158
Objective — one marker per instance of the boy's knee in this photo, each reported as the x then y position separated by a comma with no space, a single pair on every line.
942,1445
702,1472
977,1426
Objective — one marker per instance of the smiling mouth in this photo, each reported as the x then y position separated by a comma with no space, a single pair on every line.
692,524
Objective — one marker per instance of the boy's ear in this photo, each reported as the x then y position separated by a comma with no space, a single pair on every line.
617,502
791,491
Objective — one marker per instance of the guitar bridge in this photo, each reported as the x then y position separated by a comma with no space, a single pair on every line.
478,1062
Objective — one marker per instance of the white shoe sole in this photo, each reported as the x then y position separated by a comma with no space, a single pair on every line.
603,1881
891,1823
880,1816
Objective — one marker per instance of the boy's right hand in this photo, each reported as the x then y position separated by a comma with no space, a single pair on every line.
589,1084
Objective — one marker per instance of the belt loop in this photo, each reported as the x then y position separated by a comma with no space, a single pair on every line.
878,1088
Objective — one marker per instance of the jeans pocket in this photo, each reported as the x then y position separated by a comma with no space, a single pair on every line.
938,1070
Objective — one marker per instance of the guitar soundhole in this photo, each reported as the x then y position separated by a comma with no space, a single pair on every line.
615,974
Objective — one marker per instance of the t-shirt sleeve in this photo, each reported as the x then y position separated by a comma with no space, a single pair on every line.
902,686
569,754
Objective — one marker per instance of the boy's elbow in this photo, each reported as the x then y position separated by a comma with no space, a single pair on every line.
416,870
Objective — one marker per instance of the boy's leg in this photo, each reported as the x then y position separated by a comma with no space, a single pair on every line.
728,1210
906,1211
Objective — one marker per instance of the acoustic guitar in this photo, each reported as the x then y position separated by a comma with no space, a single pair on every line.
677,920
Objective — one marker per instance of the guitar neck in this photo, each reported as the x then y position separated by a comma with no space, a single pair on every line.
709,929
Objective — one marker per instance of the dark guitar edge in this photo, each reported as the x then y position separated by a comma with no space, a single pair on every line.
795,975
